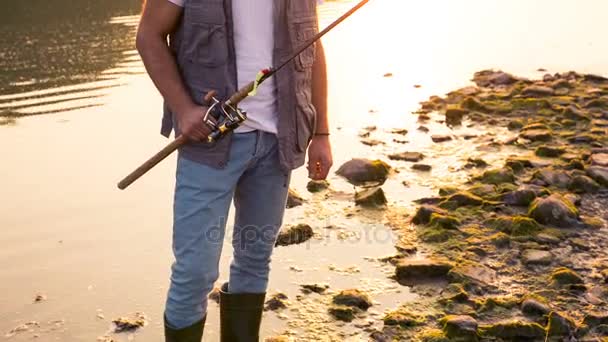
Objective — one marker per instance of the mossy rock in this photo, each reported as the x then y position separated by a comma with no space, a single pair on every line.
371,198
403,318
454,115
435,235
294,199
294,235
560,325
492,303
447,191
573,113
433,335
565,277
554,210
343,313
518,164
520,197
599,174
514,330
583,184
407,271
460,328
473,104
530,104
550,151
515,226
500,240
464,198
498,176
353,298
444,221
424,212
483,190
515,125
537,135
317,186
364,171
534,307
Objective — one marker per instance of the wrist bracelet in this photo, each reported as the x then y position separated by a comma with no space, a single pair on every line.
322,134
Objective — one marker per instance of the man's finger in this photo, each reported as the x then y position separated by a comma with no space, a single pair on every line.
210,95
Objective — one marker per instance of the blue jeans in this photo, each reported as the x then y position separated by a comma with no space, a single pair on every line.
254,178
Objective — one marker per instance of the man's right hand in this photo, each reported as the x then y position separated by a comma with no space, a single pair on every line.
191,125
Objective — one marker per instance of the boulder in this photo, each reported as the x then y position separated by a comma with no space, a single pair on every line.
454,115
413,157
316,288
317,185
371,198
464,198
599,174
573,113
342,312
515,330
564,277
422,167
552,177
353,298
294,235
476,163
460,328
550,151
554,210
438,138
361,172
522,197
537,135
583,184
444,221
409,270
600,159
294,199
498,176
560,325
490,78
537,91
536,257
403,319
472,273
423,215
276,302
533,307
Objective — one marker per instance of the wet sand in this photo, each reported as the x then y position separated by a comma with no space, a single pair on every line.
95,252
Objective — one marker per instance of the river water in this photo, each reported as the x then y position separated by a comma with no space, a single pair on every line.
77,112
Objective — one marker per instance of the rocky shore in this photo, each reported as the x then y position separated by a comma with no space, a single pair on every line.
516,253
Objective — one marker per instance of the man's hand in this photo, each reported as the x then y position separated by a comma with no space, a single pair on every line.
190,123
320,159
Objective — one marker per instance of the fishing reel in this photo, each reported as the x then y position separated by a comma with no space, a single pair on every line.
222,118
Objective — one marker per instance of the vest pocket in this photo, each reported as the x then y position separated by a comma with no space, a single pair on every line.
302,30
208,45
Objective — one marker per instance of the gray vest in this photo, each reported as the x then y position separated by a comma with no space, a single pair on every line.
204,49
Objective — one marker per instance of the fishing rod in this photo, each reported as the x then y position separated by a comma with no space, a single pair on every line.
225,117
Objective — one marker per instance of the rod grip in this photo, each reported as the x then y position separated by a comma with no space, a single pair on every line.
240,95
152,162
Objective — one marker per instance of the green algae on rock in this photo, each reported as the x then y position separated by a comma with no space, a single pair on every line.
371,198
564,276
460,328
353,298
444,221
403,318
560,325
363,172
343,313
513,330
317,186
498,176
294,235
554,210
515,226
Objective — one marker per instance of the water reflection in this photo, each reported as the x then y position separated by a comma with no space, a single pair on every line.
60,55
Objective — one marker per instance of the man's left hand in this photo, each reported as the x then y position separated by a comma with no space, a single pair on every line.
320,159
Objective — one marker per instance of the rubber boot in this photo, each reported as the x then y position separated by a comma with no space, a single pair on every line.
193,333
240,316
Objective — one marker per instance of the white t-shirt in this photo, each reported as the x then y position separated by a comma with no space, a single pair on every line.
254,44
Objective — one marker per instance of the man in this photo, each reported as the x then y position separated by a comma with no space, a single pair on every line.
219,46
